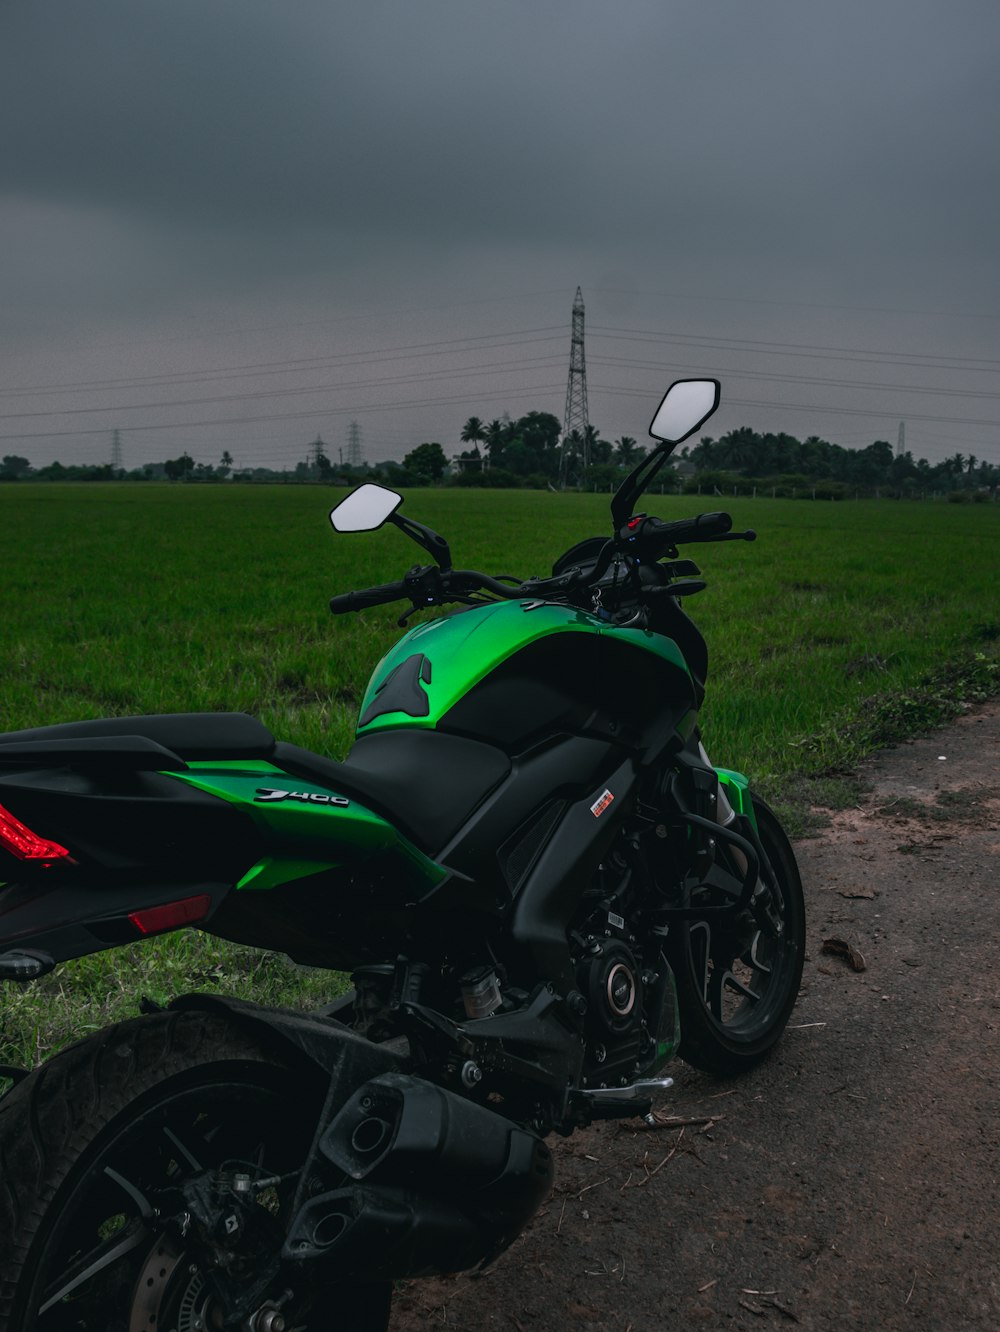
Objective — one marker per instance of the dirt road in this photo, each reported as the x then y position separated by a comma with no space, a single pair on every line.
851,1182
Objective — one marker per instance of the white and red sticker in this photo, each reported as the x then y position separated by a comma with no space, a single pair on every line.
601,804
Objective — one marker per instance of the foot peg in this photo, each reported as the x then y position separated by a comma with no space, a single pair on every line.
635,1091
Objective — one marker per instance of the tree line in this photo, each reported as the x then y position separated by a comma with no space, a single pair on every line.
745,453
530,452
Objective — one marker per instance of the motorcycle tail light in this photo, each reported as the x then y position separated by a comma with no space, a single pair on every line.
17,838
172,915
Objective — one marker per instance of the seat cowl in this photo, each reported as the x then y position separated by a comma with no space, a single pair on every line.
135,752
191,735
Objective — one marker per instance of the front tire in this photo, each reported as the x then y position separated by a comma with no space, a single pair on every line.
735,997
91,1137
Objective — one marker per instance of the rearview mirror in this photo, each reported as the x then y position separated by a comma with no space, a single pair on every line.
365,509
686,405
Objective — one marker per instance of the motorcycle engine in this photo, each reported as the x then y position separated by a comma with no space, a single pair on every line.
631,1017
610,981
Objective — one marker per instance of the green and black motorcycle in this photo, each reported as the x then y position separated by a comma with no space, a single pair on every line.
541,887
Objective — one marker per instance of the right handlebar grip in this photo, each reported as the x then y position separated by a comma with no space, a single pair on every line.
369,596
705,527
711,524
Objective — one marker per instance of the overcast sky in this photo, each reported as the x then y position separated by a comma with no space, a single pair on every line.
235,224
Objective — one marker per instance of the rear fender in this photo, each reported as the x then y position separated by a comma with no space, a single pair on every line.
346,1058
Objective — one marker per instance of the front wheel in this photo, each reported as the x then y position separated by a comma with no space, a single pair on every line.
95,1147
736,994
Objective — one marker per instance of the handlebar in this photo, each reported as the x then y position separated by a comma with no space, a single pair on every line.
369,596
424,585
649,538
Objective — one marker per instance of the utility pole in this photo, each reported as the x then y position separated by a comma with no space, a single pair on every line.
575,416
355,453
116,452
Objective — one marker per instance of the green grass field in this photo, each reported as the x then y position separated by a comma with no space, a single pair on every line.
843,625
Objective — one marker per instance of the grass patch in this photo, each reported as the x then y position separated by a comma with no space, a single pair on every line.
89,993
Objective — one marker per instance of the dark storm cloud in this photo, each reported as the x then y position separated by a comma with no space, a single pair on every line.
777,123
246,162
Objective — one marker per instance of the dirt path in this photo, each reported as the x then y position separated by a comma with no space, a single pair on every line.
851,1182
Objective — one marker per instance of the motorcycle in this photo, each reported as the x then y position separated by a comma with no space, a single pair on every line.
543,891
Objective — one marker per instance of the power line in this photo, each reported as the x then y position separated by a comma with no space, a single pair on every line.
612,361
803,407
798,348
299,416
804,305
492,367
254,369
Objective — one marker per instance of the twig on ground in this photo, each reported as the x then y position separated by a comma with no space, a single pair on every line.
588,1187
677,1121
754,1308
668,1155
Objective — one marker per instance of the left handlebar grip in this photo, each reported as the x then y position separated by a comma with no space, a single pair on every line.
368,596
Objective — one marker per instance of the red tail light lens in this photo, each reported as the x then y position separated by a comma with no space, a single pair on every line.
17,838
172,915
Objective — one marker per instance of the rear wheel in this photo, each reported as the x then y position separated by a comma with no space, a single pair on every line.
736,990
95,1139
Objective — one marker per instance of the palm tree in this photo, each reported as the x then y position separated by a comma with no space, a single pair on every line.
626,451
591,439
494,437
473,431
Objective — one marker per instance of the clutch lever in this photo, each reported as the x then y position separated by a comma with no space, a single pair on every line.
748,535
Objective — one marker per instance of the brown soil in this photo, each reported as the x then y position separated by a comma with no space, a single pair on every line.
850,1181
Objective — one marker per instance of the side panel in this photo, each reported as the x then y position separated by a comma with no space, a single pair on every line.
306,827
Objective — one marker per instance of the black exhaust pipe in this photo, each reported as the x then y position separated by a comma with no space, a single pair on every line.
440,1184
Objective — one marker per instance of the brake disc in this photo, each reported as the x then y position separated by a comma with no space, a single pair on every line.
169,1294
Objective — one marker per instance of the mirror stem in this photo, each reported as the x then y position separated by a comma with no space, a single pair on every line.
623,503
435,545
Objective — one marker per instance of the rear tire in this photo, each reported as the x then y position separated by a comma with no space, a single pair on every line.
734,998
87,1138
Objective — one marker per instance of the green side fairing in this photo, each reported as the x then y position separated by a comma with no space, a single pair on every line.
738,790
463,649
304,838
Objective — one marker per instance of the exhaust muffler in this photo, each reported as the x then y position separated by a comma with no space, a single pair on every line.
426,1182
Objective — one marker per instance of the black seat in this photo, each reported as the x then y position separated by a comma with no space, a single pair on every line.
191,735
424,782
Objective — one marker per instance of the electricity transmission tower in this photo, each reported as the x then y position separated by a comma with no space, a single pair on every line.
317,450
575,417
116,452
901,440
355,453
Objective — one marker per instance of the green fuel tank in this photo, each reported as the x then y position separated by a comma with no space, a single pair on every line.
506,672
